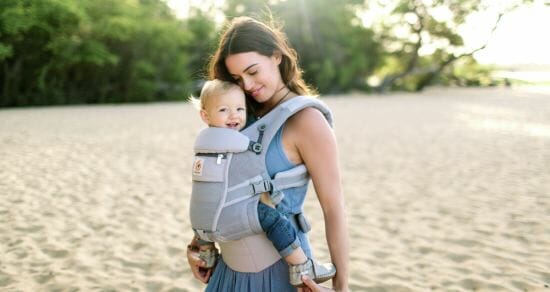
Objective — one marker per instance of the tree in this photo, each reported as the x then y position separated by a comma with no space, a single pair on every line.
92,51
414,26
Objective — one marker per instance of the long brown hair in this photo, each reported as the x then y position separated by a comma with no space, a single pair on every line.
246,34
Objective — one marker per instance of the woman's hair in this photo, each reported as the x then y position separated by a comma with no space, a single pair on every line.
210,89
245,34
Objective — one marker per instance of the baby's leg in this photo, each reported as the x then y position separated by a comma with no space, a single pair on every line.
284,237
282,234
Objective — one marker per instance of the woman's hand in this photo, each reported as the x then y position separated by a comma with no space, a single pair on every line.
196,264
312,286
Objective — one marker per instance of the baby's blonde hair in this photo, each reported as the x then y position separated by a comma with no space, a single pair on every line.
210,89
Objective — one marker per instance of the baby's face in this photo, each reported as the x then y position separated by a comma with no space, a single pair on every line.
227,110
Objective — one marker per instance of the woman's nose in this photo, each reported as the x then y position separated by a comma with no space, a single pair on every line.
247,84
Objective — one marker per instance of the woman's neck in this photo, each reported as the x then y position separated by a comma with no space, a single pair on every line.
279,97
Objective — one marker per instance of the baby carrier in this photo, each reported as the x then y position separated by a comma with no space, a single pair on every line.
229,174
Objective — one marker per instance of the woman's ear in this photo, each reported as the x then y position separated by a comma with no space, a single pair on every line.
277,57
204,116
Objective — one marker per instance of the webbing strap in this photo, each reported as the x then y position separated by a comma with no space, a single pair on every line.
204,235
294,177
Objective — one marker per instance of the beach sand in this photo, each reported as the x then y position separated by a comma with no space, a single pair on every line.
448,190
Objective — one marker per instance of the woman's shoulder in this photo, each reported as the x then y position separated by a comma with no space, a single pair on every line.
307,117
308,122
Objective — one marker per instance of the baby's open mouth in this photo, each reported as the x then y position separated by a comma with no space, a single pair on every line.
232,125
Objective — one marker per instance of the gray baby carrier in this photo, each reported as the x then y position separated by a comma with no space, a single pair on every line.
229,174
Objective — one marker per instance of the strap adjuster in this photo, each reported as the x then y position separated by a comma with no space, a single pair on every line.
257,148
262,187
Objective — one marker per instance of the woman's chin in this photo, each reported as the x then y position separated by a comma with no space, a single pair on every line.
260,98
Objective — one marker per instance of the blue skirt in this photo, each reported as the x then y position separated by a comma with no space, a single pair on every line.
273,278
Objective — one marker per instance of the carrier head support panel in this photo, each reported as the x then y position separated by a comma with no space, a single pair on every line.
229,174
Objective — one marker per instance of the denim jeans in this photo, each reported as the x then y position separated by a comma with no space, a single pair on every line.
278,229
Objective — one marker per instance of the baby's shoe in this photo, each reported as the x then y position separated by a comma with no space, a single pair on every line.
209,256
276,197
317,272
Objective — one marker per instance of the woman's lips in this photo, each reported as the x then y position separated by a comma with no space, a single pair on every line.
256,92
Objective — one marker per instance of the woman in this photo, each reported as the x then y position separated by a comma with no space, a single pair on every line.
259,59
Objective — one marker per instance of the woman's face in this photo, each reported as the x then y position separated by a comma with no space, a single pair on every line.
256,74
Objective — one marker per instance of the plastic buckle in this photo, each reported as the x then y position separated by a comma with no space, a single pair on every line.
302,222
262,187
257,148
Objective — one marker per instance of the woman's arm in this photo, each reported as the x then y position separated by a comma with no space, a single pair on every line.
316,146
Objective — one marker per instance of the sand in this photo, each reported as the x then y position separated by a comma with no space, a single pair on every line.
448,190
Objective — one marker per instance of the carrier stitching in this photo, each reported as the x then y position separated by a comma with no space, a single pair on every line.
227,204
226,181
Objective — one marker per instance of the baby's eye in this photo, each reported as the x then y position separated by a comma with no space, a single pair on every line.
241,109
222,110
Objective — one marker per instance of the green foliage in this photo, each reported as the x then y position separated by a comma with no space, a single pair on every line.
419,29
90,51
96,51
467,72
336,52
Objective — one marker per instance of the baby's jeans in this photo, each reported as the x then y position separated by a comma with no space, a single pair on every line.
278,229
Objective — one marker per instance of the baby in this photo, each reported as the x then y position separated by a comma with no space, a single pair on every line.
223,104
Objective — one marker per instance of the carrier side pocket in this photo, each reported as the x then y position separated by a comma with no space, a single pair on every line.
208,191
209,167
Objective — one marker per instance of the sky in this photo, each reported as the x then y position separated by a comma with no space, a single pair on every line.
521,38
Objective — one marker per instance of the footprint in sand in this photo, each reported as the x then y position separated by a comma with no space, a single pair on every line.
55,253
173,251
43,278
5,279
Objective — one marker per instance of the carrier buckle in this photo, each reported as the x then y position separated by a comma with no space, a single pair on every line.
262,187
256,147
203,234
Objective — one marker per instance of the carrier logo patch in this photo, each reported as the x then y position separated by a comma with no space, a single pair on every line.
198,166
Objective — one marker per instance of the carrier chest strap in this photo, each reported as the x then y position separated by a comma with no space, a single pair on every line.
293,177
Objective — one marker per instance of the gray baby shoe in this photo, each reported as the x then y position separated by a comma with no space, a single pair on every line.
209,256
276,197
317,272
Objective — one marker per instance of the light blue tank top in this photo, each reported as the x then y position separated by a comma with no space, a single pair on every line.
293,202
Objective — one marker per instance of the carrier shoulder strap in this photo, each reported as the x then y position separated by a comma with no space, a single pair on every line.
269,124
262,132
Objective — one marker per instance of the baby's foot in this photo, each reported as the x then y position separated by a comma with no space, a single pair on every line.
276,197
315,271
